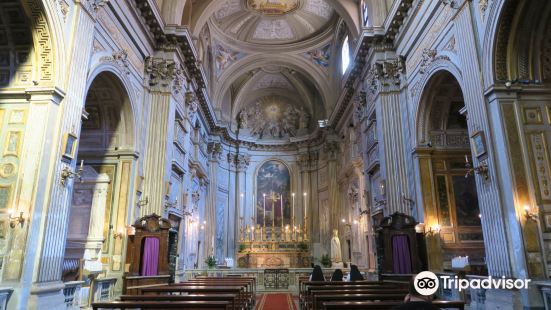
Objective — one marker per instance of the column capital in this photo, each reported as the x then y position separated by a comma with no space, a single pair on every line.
215,151
92,6
163,75
239,161
386,75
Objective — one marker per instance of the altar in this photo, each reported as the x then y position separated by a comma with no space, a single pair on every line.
273,254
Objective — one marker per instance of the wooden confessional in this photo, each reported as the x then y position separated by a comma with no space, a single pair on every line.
397,242
147,229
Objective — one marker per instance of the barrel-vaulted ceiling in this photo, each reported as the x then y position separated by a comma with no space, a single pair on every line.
271,63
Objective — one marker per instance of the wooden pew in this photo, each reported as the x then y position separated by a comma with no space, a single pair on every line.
159,305
304,286
179,290
383,305
352,288
231,299
336,296
248,284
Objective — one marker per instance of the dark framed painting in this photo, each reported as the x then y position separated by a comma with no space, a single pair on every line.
478,143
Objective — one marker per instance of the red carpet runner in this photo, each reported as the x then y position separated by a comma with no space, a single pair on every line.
276,301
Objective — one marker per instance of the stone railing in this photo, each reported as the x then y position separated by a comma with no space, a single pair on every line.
5,294
73,295
545,289
103,289
294,275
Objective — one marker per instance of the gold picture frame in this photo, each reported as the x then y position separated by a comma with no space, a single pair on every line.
5,196
13,143
69,145
17,116
478,144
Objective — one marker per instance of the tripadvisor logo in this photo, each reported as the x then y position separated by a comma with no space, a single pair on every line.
426,283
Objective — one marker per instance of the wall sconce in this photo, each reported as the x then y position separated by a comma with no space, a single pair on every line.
433,230
67,173
529,214
118,235
16,219
143,202
481,170
420,228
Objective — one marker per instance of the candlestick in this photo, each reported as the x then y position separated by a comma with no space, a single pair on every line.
281,213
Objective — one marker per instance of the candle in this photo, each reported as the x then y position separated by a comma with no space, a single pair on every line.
264,213
81,164
293,206
281,210
305,205
466,159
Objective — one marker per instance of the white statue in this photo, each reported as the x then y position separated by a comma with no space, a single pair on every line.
336,255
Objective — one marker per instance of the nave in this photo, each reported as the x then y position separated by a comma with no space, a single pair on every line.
233,292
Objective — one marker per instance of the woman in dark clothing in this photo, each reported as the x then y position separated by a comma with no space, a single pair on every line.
317,274
337,275
355,274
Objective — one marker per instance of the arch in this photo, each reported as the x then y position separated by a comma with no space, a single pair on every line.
132,106
248,64
420,92
514,42
434,93
121,127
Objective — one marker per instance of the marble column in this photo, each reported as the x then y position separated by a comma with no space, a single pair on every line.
332,151
387,75
161,72
215,153
238,167
94,241
42,267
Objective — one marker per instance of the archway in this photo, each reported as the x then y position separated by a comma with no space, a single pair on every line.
101,200
450,201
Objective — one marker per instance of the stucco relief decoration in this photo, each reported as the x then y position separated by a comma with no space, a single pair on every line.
63,8
319,7
228,8
273,81
278,29
120,59
273,117
353,194
428,57
320,57
225,57
273,7
191,103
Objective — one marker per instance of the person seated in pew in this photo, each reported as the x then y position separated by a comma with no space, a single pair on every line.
337,275
413,295
317,274
355,274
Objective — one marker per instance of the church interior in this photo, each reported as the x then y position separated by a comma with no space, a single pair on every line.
274,154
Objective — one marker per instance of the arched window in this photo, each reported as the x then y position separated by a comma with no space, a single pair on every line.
365,14
345,54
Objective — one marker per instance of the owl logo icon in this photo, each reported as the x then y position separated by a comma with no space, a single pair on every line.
426,283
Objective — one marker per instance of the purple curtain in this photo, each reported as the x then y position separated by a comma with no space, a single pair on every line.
150,256
401,256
